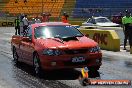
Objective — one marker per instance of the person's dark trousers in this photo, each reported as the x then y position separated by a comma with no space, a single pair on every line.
126,35
17,28
24,29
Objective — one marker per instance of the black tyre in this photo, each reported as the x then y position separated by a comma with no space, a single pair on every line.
93,72
37,65
15,56
94,68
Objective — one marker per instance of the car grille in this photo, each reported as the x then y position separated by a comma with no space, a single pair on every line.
70,63
78,51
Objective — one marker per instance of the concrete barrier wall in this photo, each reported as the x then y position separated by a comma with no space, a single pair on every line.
107,39
118,30
6,24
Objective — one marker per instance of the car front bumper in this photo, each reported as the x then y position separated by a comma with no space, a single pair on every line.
65,61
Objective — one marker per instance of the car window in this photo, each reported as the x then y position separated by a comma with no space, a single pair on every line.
56,31
102,20
91,20
29,31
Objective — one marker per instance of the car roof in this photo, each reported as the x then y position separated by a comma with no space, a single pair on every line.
50,24
116,16
99,17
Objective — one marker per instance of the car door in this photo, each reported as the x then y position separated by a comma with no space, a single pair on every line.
30,47
18,49
27,46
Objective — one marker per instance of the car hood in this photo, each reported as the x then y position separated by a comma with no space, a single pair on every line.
107,24
81,42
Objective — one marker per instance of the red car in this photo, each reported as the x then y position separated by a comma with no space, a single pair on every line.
55,45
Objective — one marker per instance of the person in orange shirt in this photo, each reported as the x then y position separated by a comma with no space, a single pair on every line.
45,17
65,17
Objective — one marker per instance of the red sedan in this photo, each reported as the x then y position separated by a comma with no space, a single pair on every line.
55,45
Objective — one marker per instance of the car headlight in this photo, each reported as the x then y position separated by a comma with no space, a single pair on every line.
51,52
94,49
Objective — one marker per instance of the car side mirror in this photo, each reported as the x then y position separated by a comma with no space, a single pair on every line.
26,39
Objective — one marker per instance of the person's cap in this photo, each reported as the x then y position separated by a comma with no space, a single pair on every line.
85,69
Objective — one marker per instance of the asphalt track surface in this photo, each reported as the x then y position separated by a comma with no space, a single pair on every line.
114,66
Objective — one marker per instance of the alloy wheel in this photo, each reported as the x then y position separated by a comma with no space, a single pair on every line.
15,56
36,64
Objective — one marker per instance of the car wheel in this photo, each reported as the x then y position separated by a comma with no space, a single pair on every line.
15,56
37,65
94,68
93,72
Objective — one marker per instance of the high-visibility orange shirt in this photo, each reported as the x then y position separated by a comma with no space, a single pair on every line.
43,18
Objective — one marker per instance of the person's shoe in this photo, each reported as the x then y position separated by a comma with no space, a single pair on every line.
124,49
127,50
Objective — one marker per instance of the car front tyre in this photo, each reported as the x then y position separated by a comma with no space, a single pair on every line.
37,65
94,68
15,56
93,71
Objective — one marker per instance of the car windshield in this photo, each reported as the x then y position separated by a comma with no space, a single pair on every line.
56,31
102,20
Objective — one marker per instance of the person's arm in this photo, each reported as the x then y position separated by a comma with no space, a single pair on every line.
27,21
23,21
19,22
123,24
131,22
123,20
